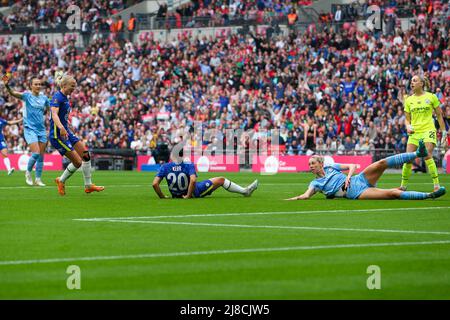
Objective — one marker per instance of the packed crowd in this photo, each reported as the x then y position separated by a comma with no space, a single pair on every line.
53,13
400,8
198,13
323,90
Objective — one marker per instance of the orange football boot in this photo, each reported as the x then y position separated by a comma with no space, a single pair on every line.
61,187
93,188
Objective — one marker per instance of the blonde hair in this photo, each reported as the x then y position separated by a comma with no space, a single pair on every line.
318,158
426,83
65,79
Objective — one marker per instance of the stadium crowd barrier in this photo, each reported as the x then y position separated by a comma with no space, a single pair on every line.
203,163
206,163
271,164
20,161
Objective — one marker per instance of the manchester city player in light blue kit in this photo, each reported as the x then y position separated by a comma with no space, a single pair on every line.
3,146
182,181
333,183
35,133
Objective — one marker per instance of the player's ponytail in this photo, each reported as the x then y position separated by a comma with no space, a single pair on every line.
426,83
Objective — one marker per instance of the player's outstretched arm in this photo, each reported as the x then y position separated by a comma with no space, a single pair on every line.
15,121
157,188
192,182
306,195
12,92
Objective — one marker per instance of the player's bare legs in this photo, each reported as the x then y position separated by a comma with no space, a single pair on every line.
376,170
233,187
390,194
380,194
37,149
81,150
6,161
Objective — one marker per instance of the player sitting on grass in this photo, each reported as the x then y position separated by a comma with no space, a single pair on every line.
63,140
182,180
3,146
333,183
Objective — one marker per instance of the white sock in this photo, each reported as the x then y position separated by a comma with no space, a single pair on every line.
86,168
233,187
7,163
70,170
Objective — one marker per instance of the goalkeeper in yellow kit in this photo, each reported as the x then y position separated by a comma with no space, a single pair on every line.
419,109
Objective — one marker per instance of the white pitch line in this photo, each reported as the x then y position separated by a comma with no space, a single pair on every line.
281,227
261,213
217,252
80,187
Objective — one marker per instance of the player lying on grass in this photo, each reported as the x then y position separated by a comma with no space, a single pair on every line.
63,140
333,183
36,104
182,181
3,146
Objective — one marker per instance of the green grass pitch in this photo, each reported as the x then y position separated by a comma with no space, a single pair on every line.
221,247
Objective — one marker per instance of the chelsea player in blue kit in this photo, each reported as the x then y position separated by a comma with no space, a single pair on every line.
3,146
35,132
63,140
182,181
333,183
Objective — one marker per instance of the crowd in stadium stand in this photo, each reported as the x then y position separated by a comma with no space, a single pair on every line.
44,14
217,12
324,90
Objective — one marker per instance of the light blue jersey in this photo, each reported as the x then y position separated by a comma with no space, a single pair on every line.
331,183
35,106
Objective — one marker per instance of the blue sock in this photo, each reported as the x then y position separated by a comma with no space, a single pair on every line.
39,167
34,157
399,159
414,195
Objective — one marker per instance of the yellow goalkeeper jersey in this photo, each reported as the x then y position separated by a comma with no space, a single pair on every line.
421,110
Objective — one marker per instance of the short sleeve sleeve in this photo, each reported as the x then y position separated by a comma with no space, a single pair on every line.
25,96
407,108
3,121
313,185
435,101
192,170
54,103
161,172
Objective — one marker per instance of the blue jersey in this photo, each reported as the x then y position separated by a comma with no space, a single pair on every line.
60,101
33,115
177,176
331,182
3,123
